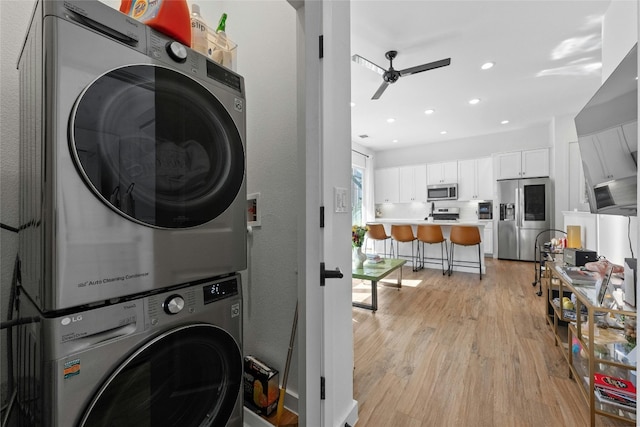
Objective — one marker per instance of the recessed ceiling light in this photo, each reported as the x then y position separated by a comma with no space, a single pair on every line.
474,101
353,104
430,111
504,122
487,65
444,132
395,140
391,120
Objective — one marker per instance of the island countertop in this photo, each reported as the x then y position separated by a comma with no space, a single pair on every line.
389,221
404,250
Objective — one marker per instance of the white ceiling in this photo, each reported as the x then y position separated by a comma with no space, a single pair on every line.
547,56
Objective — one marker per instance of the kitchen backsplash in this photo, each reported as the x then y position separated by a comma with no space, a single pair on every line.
468,210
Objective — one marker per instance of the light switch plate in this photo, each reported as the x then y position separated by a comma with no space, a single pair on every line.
340,200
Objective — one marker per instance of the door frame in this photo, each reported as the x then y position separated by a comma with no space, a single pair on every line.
324,129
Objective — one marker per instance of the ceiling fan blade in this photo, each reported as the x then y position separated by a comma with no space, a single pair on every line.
366,63
425,67
380,90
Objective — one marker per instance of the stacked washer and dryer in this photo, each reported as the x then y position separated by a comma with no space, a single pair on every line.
133,226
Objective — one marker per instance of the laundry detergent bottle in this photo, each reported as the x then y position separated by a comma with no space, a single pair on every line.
170,17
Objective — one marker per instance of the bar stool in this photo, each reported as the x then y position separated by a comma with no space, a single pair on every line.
432,234
465,235
376,233
404,234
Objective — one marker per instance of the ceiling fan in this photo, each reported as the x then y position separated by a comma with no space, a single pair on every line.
392,75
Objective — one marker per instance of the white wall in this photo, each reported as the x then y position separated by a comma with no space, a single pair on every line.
265,33
619,33
467,148
14,17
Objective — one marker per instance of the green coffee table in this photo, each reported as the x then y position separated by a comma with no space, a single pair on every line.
375,273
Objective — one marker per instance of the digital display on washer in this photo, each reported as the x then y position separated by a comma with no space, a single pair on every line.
224,76
219,290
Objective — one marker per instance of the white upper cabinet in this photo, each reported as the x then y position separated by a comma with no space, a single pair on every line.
387,185
442,173
522,164
535,163
475,179
413,183
607,154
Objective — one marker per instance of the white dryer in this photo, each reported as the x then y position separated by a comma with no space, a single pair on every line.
132,159
168,359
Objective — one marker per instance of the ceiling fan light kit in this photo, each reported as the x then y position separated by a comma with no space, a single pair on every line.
392,75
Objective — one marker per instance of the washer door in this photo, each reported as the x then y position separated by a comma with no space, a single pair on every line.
189,376
157,147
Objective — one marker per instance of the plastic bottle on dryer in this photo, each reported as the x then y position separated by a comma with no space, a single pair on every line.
170,17
199,31
221,54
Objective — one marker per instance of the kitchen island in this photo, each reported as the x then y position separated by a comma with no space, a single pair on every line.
463,253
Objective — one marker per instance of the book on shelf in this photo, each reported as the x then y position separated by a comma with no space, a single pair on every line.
579,276
616,385
617,399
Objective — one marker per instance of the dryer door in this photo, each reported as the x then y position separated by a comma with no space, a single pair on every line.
190,376
157,147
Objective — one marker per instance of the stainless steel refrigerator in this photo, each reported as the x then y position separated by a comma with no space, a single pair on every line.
524,213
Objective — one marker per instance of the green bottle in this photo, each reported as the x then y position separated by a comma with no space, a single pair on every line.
222,23
221,53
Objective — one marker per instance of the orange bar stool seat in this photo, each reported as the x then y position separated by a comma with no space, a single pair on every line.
404,234
377,233
432,234
464,235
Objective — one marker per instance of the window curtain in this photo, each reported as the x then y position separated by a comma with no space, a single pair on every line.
365,161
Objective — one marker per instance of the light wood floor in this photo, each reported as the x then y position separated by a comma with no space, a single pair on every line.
457,351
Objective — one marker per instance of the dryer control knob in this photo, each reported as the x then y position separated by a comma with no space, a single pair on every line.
177,51
174,304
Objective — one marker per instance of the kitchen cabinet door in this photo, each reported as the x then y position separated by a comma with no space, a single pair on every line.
467,180
387,185
442,173
487,239
475,179
413,183
484,180
535,163
508,165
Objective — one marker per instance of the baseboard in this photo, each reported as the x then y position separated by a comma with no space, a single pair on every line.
251,419
351,418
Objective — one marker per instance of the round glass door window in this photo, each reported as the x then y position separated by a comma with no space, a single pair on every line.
157,147
189,377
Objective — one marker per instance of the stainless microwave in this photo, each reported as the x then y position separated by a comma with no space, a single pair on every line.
442,192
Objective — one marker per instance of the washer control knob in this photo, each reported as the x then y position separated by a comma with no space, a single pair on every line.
174,304
177,51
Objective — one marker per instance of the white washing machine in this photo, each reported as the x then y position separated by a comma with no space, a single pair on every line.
132,159
169,359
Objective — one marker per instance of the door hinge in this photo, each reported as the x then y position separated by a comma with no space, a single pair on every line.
321,216
322,389
321,46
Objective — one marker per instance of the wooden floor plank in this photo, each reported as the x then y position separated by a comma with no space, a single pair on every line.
460,351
